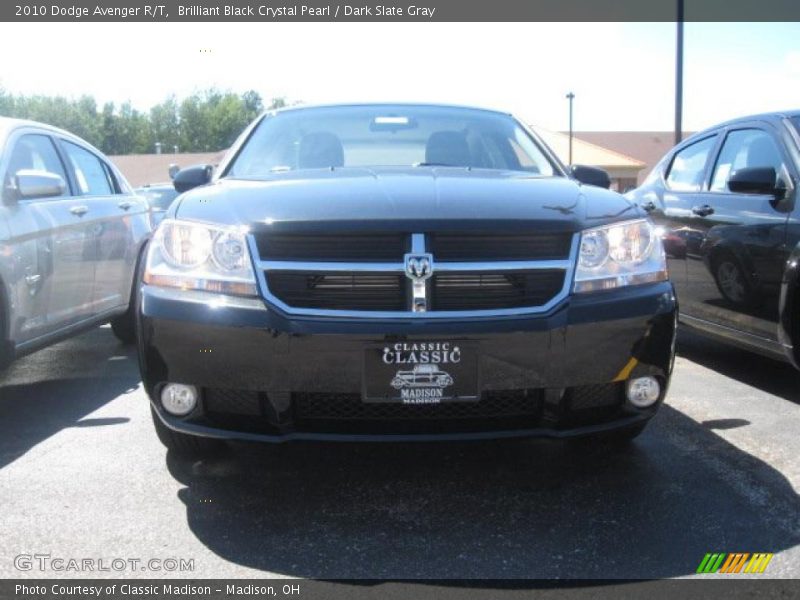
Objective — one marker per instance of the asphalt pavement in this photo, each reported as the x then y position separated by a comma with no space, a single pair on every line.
83,476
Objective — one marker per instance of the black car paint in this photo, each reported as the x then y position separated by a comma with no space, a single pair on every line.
404,199
584,341
249,344
760,233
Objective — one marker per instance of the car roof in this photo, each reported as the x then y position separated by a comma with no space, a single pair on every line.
387,105
8,124
770,116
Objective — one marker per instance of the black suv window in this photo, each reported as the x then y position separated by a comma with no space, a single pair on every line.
688,166
745,148
37,152
91,175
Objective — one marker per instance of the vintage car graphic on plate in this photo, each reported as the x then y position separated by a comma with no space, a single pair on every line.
422,376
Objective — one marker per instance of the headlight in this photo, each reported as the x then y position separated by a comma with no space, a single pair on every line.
196,256
620,254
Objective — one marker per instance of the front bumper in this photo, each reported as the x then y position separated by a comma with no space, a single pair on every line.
270,377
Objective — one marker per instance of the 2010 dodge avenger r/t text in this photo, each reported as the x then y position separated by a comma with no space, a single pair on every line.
401,272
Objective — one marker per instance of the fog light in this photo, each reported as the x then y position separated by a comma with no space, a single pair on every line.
643,391
178,399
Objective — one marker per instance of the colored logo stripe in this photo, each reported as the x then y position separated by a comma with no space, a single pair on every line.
734,562
711,563
759,562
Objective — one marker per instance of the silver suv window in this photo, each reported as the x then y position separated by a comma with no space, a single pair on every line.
91,174
37,152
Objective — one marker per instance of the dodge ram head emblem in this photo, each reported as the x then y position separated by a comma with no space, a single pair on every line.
419,266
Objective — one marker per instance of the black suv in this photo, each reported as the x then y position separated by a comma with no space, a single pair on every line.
401,272
726,199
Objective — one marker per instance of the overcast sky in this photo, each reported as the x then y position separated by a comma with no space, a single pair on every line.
623,75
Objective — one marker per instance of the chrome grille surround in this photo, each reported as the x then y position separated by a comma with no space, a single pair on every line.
263,267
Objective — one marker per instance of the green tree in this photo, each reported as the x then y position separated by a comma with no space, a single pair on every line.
278,102
165,125
206,121
211,120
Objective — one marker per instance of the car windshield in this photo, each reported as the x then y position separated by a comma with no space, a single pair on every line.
388,136
160,197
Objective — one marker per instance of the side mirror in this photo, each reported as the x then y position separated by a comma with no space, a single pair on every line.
755,180
591,176
192,177
30,183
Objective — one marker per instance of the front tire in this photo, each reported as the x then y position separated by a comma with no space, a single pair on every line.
188,446
124,326
6,346
732,282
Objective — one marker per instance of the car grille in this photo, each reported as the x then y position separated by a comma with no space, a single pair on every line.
332,248
347,413
593,403
239,402
496,410
481,291
480,247
352,407
593,396
340,291
341,273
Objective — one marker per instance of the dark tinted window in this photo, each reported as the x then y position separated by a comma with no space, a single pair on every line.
743,149
376,136
688,166
91,175
158,198
34,152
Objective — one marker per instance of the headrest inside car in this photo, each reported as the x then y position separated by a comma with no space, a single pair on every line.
320,150
448,148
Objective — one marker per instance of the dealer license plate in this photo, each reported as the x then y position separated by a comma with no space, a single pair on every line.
421,372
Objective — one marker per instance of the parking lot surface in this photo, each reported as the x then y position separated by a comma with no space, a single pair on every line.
82,475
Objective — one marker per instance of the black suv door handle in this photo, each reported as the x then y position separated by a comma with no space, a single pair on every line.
703,211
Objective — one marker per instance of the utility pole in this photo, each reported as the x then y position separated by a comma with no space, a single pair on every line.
679,76
570,97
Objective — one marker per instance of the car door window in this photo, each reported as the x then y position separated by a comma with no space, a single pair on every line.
37,152
745,148
688,166
91,175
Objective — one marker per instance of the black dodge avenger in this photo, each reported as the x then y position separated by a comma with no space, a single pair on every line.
401,273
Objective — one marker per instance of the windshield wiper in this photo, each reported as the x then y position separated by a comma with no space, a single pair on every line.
431,164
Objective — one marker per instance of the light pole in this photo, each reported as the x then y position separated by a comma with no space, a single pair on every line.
679,76
570,97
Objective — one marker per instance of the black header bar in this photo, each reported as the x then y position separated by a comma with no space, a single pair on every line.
288,589
396,10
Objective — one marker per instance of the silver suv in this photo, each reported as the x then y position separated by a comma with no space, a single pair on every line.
71,232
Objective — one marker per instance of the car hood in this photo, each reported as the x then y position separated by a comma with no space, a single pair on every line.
404,199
